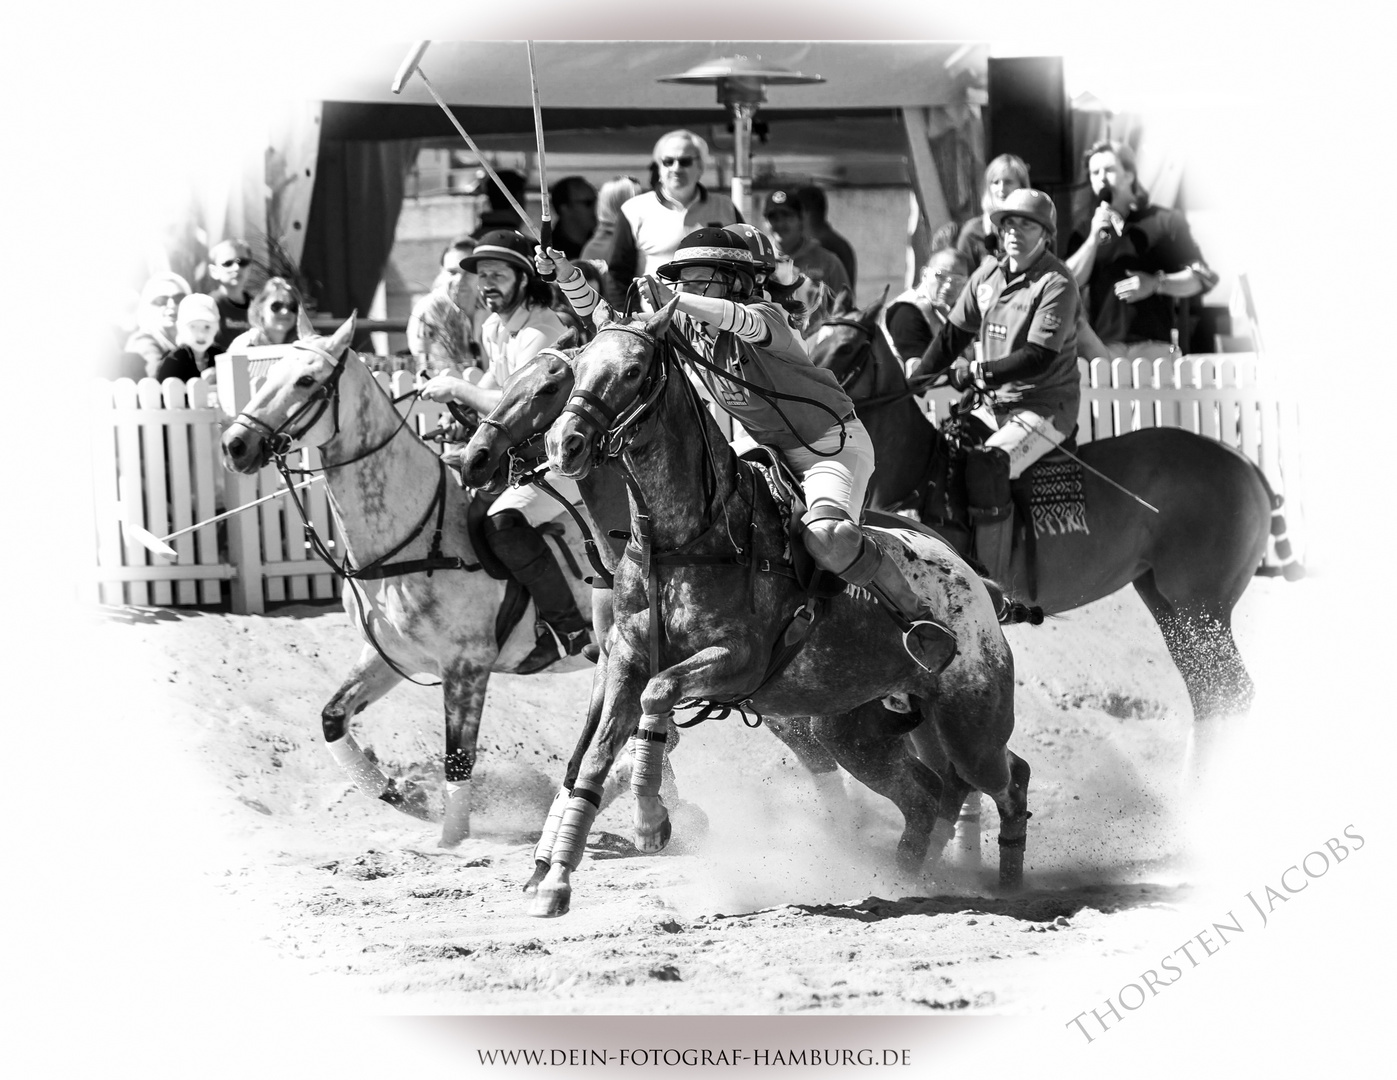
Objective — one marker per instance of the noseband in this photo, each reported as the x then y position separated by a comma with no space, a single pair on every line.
617,426
279,438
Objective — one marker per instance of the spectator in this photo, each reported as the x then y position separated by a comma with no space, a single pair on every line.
784,217
156,313
815,206
651,224
272,314
443,332
977,238
914,318
574,203
520,324
1132,259
598,249
500,215
196,336
230,267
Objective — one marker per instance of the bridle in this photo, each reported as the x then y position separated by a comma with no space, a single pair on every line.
280,438
614,428
861,365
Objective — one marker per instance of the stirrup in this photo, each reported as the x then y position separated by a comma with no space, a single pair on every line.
926,640
551,647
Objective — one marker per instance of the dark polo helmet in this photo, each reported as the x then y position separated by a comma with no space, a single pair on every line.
713,247
758,243
1029,203
506,246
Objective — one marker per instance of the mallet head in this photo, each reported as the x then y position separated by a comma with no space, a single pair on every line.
409,65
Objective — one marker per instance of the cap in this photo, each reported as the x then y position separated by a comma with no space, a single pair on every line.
506,245
1030,203
197,306
782,199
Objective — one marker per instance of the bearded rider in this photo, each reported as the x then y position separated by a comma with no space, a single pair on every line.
519,325
1023,310
724,318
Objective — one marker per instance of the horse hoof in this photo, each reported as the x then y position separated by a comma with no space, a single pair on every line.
652,843
450,841
1011,871
412,800
551,902
540,872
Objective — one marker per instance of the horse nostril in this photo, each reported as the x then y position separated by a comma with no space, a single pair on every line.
236,448
572,446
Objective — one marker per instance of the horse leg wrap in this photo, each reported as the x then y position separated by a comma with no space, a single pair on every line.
544,849
575,823
367,776
648,750
968,828
456,821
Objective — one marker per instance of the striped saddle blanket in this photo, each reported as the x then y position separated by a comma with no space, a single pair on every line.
1057,497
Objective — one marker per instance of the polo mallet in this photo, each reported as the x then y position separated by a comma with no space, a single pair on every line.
546,226
159,544
410,65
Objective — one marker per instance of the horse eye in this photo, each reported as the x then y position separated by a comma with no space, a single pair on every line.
306,381
633,372
547,389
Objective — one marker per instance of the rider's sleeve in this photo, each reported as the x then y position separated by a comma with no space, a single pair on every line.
739,319
582,298
909,330
623,263
1025,362
944,348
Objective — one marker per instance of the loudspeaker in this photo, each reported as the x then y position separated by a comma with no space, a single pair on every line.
1028,116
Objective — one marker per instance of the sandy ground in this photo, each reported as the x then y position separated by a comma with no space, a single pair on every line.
770,907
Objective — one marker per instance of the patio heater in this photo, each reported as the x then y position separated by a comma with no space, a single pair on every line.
742,87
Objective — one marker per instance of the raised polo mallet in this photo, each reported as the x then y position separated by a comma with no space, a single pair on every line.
405,70
546,226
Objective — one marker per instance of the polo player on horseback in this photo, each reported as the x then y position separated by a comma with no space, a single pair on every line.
728,323
520,324
1022,309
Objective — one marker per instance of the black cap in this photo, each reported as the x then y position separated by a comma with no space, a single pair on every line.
782,199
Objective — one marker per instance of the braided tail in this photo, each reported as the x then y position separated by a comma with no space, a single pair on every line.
1010,612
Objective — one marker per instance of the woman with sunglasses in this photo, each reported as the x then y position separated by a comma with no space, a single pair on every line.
652,223
272,315
739,334
156,312
230,268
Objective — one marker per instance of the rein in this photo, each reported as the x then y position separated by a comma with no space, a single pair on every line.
280,441
860,365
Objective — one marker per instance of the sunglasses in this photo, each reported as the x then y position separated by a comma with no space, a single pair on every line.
161,301
683,162
228,264
279,308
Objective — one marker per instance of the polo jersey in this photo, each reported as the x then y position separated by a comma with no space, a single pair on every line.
1038,307
781,365
511,343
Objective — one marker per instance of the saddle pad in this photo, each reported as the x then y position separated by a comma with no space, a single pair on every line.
1057,498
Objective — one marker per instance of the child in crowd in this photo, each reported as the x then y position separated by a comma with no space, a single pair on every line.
196,327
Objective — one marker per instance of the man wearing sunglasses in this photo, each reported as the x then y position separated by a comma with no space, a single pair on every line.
1022,309
652,223
230,267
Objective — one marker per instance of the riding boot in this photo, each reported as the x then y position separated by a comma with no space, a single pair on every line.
991,508
926,638
562,628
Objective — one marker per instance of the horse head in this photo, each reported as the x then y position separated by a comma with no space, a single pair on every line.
532,399
297,404
848,340
616,375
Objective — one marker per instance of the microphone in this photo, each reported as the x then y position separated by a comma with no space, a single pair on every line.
1106,197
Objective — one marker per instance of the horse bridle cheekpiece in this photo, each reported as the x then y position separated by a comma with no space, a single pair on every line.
279,439
614,426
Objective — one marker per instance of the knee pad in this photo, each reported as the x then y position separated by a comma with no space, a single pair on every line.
513,539
987,480
839,545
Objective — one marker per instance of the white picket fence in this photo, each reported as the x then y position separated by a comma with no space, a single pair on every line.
156,463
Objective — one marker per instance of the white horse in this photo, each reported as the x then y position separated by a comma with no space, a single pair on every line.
413,585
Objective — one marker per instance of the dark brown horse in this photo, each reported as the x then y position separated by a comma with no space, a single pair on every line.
1190,561
695,621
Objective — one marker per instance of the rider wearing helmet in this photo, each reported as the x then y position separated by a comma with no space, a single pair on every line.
1024,309
520,324
724,318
